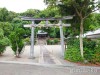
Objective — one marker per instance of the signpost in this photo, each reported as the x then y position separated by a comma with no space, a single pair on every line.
33,25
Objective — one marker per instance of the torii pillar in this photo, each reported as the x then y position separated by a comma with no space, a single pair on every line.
61,37
32,40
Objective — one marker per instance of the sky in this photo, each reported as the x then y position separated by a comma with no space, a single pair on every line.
22,5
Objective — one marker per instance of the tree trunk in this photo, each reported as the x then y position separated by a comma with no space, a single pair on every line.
0,53
81,37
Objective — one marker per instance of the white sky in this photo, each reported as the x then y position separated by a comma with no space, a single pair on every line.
22,5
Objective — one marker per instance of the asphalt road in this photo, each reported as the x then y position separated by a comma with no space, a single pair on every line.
22,69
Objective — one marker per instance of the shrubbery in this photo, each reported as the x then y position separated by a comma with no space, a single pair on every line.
4,41
91,51
52,41
17,42
96,57
27,41
73,52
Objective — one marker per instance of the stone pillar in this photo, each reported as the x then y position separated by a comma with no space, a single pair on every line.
32,41
62,38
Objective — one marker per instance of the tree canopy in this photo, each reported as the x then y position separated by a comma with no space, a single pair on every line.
80,8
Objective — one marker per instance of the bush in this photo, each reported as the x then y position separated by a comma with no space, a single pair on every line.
27,41
96,57
73,52
20,46
2,46
91,50
3,42
17,42
73,42
49,42
56,41
52,41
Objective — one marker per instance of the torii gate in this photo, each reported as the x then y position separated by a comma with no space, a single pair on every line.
33,25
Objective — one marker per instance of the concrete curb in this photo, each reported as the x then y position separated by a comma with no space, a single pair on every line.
37,64
45,65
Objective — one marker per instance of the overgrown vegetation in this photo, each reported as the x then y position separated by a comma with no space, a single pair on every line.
91,51
73,52
96,57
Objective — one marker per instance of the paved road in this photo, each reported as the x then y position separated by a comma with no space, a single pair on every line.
20,69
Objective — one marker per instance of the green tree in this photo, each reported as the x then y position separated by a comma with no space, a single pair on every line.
11,15
30,12
4,41
80,8
6,27
3,14
16,39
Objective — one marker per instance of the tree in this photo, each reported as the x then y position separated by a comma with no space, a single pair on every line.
3,14
16,39
94,20
30,12
11,15
4,41
6,27
82,9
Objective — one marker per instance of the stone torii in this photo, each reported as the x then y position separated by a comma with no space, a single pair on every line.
33,25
